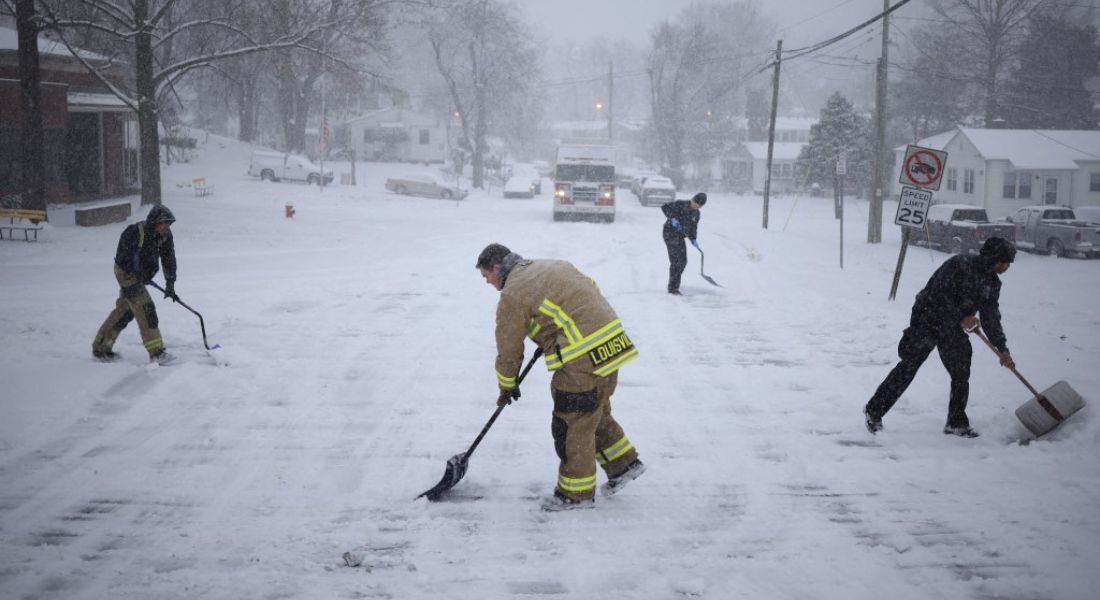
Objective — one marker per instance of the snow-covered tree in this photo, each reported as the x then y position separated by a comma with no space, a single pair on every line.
841,131
146,32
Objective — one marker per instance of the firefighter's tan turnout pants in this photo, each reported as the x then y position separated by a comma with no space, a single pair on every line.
585,432
133,303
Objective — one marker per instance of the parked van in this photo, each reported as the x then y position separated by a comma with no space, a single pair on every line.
276,166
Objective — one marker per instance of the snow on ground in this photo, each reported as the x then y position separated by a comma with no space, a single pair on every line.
359,337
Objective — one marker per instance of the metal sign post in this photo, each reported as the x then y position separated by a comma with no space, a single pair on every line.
841,171
912,208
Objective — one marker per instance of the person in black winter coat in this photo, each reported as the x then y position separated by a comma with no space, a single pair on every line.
681,221
943,313
142,248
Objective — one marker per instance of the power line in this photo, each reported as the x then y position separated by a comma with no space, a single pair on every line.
800,52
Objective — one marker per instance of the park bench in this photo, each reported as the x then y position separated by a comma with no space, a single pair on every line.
201,187
21,220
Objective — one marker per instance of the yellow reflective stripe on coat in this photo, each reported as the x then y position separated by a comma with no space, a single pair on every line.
141,234
603,335
614,451
533,328
608,347
576,484
562,320
506,382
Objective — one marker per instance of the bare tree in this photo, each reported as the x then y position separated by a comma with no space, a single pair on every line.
929,97
32,161
992,29
146,28
352,29
484,54
697,67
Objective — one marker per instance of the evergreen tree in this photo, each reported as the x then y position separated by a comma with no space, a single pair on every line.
840,131
1047,88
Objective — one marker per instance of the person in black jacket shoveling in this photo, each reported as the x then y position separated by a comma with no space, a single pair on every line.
142,248
682,221
944,311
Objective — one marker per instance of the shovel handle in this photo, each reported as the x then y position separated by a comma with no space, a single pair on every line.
977,331
202,325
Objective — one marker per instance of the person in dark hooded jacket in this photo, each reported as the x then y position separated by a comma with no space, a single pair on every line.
944,311
681,221
142,248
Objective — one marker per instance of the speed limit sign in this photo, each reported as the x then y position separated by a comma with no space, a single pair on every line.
913,206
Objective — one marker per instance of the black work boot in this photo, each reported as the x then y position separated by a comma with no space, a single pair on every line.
874,424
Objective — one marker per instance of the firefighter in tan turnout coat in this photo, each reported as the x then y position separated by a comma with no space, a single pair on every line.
564,313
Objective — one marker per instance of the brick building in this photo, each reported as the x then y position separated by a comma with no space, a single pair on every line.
90,135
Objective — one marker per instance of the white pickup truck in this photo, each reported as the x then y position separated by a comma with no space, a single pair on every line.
276,166
1056,230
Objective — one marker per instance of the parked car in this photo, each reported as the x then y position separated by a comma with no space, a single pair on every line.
529,172
277,166
519,186
656,191
639,180
1056,230
424,184
959,229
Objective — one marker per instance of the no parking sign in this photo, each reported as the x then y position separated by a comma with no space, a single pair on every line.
922,167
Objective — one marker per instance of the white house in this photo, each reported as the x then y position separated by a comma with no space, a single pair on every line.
785,172
1004,169
395,134
743,168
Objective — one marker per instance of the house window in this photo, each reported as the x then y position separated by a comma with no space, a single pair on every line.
968,181
1018,185
1094,182
952,179
425,137
781,171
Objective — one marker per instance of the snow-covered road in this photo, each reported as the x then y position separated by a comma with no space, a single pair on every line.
360,349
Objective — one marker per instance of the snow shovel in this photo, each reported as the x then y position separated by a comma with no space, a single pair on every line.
705,276
1047,410
201,324
456,465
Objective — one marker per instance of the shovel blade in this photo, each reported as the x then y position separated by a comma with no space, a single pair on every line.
709,280
456,469
1043,413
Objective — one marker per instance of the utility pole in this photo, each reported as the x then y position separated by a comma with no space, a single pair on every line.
610,98
771,129
878,185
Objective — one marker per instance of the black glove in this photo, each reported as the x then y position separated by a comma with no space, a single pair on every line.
507,396
170,291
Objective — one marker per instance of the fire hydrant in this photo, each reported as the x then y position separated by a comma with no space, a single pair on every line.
289,210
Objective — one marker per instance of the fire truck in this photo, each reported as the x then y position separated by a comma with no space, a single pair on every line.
584,181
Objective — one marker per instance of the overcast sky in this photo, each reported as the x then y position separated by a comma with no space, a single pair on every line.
801,21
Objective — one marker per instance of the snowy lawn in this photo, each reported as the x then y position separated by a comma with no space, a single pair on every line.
360,343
